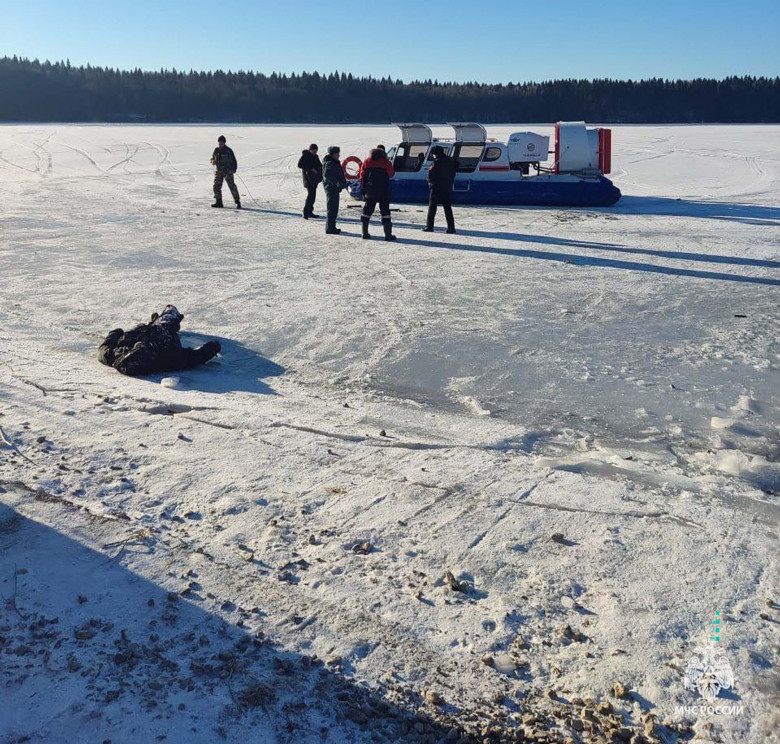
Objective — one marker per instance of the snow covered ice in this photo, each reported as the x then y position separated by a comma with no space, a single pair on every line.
575,412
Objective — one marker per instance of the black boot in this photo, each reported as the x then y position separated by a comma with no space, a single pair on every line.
238,205
364,224
388,227
217,205
450,219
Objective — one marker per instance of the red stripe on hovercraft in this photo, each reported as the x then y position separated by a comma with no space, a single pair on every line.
494,167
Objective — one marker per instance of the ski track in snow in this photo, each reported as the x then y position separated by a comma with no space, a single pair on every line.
381,415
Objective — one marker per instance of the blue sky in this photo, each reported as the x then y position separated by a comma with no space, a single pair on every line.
459,40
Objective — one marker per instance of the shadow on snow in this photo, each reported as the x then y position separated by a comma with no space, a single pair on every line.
581,260
129,661
237,369
750,214
608,263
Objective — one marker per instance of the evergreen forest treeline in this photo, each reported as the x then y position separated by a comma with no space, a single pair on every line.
31,90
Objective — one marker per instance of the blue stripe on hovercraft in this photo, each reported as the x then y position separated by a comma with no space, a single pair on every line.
593,192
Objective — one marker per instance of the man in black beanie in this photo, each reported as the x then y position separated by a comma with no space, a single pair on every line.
153,347
225,165
311,171
441,177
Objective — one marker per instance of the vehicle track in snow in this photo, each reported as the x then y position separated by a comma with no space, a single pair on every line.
15,165
43,156
165,155
86,155
128,157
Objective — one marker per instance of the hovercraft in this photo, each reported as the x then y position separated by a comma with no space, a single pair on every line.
512,173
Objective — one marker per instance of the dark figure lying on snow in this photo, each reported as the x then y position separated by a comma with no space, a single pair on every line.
153,347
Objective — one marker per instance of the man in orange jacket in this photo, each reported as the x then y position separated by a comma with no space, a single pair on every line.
375,174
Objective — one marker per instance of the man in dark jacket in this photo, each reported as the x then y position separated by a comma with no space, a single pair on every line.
225,165
441,176
334,182
311,171
153,347
375,174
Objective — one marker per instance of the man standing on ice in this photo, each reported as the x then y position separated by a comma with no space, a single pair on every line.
225,164
375,174
334,182
311,171
441,176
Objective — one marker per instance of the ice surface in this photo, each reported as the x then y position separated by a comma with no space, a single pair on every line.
608,375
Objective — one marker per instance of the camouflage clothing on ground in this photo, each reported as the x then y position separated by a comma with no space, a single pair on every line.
153,347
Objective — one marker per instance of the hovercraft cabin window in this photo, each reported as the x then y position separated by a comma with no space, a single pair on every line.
467,157
491,154
444,147
409,158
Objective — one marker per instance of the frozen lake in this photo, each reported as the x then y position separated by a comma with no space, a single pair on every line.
634,325
609,374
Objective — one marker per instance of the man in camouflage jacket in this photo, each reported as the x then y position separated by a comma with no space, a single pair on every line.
225,165
153,347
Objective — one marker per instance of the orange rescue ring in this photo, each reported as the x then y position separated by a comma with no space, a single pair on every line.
351,173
